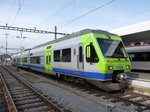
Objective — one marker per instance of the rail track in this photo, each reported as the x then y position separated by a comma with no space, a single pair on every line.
127,98
3,104
142,102
20,96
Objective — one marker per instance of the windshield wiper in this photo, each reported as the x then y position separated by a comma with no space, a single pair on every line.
110,56
115,57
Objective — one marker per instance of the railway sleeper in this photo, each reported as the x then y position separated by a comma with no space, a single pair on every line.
130,97
28,101
39,109
23,92
19,90
147,102
25,98
23,95
140,100
31,105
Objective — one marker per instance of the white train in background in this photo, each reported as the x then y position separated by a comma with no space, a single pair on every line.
139,56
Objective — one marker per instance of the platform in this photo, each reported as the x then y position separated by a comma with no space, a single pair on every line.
140,75
139,79
139,82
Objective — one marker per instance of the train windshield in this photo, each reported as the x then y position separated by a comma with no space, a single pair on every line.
112,48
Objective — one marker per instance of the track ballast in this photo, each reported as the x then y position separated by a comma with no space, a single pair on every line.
20,96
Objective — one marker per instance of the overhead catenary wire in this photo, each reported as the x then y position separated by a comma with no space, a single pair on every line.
85,14
74,1
57,12
20,6
124,18
12,8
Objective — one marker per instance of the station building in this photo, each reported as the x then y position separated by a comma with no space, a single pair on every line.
137,33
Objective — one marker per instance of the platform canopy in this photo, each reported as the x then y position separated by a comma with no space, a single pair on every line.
139,32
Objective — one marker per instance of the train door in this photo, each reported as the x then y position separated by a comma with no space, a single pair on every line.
48,61
21,59
80,58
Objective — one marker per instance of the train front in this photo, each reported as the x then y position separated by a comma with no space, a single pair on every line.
113,62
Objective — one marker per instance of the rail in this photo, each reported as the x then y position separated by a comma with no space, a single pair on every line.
10,102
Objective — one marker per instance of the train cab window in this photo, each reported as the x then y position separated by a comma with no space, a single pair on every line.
66,55
57,55
80,54
91,55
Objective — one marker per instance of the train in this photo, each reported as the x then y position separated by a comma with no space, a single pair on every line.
96,56
139,56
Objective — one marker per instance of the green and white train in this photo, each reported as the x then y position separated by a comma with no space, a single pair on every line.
94,55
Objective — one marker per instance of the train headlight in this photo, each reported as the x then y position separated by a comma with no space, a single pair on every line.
110,67
128,67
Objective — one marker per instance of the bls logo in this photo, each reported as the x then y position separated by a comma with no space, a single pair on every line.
119,67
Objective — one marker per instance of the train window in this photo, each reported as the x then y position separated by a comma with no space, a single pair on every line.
57,55
42,60
111,48
140,56
91,55
131,56
35,60
80,54
15,60
31,60
25,60
46,59
18,59
49,59
66,55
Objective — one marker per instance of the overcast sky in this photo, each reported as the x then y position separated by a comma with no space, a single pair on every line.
67,15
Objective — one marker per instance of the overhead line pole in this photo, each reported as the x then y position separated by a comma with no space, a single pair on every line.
29,30
55,32
6,42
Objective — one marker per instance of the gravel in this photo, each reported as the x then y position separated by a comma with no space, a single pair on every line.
73,99
78,103
3,104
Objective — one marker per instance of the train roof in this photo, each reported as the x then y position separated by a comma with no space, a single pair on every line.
79,33
138,48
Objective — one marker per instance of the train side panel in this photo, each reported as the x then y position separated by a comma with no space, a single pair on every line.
25,59
68,51
139,56
37,59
